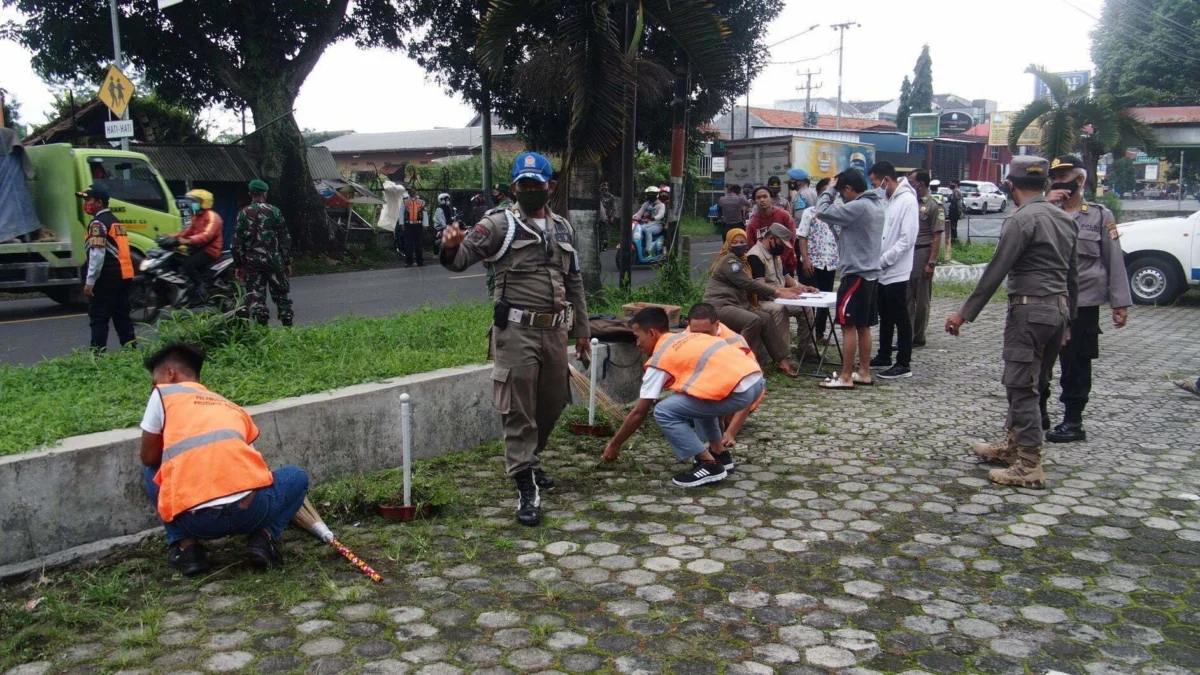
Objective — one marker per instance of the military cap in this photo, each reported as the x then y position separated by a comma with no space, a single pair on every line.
1066,162
257,185
1028,166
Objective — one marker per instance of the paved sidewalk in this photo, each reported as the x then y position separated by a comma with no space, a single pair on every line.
857,536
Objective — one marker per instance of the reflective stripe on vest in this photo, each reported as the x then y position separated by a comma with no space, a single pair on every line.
701,365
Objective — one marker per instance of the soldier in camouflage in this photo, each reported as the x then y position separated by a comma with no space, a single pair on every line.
262,254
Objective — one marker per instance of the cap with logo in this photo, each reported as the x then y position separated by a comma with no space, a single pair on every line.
532,165
94,191
780,231
1066,162
1028,166
257,185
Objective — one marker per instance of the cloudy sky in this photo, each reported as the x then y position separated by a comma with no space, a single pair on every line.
977,52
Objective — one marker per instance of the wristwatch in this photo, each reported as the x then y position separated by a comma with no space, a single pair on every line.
931,264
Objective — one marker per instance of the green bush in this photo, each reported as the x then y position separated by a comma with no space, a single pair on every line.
1114,204
673,285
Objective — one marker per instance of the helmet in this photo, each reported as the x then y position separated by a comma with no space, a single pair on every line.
202,197
443,197
665,188
652,190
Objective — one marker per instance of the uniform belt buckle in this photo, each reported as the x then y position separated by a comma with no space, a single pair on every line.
543,320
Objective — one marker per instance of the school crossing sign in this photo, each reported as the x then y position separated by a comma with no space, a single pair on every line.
115,91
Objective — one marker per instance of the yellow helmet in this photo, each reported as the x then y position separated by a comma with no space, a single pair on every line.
203,196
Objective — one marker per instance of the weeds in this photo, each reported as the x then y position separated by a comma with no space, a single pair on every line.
973,254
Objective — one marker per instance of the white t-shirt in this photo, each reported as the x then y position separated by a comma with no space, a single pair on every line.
152,423
654,381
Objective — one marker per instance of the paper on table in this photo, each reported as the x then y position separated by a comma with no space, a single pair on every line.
810,295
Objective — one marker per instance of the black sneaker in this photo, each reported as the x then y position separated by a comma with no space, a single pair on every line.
529,499
917,345
895,372
188,561
542,479
700,474
725,459
1067,432
880,362
261,551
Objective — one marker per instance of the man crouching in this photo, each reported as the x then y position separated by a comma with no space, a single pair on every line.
710,377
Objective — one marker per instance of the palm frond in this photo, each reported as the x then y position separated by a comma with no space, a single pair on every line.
499,24
1133,132
654,82
1030,114
1059,133
1103,118
1054,82
700,33
598,72
639,30
543,78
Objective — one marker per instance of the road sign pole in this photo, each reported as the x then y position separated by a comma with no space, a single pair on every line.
116,32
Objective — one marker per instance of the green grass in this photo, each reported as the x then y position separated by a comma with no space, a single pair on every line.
695,226
82,393
972,254
961,291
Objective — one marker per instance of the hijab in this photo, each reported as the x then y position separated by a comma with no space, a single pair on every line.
726,253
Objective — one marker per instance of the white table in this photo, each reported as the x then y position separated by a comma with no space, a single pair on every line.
825,300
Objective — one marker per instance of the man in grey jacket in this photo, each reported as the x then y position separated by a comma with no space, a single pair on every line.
858,223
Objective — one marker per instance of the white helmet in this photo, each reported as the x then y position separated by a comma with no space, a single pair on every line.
443,197
652,190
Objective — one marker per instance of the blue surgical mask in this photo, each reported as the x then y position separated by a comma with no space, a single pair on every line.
195,207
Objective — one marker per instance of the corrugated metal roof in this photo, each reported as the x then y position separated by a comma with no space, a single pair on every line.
223,163
425,139
1168,115
321,164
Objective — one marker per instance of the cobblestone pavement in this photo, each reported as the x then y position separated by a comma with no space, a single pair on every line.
856,536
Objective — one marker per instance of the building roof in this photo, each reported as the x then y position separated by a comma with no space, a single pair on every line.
424,139
943,101
1168,115
868,107
795,120
223,163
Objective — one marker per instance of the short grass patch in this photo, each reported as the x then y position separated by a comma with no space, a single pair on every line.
973,253
695,226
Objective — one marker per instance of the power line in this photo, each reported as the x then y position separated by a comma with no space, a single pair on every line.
1143,38
1187,30
1170,36
811,58
793,37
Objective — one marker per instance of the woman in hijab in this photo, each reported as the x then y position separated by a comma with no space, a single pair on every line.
744,304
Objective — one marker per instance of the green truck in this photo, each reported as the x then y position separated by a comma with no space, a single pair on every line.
53,259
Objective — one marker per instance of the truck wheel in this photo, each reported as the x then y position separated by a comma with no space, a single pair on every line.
1153,281
70,296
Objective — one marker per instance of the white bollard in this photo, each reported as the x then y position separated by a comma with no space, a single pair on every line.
406,440
592,391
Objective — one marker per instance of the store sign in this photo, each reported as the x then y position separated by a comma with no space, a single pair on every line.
1143,158
718,164
924,125
1073,78
1001,126
1151,172
954,123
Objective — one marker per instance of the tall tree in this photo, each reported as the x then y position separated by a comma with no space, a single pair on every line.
1152,46
904,107
920,98
1067,113
232,53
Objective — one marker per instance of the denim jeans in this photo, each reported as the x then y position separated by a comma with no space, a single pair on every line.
674,412
271,509
649,232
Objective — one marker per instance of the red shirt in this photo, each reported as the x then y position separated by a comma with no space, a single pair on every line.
207,231
760,223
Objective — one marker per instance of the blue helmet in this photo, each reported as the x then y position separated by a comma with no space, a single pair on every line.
797,174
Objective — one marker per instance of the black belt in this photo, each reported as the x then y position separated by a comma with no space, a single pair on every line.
921,246
1038,300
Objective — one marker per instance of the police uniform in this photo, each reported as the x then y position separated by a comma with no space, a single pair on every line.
540,303
109,273
1037,252
920,287
1102,278
764,324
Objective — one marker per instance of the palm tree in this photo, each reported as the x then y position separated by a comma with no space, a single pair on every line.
593,65
1073,120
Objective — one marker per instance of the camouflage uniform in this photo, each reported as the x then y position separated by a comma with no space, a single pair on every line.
262,249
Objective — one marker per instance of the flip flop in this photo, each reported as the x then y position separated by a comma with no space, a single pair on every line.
834,382
858,380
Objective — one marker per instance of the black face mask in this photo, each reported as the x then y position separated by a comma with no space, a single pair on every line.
778,249
532,201
739,251
1069,187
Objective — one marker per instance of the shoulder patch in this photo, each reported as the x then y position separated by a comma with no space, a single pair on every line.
1084,207
735,266
478,234
1112,230
924,209
941,215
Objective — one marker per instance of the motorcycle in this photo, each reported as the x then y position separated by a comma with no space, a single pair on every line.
657,251
162,283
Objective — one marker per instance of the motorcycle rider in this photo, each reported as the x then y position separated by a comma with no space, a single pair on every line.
652,215
443,215
204,239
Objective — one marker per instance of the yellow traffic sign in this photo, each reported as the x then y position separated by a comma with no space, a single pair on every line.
115,91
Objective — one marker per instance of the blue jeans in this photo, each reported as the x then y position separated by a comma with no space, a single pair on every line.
271,509
674,412
649,232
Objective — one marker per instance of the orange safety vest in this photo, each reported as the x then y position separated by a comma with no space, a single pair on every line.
700,365
734,338
412,209
206,450
109,233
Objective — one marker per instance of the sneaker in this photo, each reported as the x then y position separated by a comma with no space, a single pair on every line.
188,561
543,479
261,550
700,474
725,459
879,363
529,499
1067,432
896,372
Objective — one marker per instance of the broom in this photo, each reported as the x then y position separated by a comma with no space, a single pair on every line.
582,385
308,518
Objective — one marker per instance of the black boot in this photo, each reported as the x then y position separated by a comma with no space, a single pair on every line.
529,499
261,551
189,561
543,479
1067,432
1045,422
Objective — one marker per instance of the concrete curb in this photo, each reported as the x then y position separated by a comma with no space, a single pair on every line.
85,495
958,273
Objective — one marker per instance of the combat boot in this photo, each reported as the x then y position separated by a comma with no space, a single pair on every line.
1025,472
1001,452
529,499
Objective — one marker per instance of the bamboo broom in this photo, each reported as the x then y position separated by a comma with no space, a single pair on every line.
582,385
308,518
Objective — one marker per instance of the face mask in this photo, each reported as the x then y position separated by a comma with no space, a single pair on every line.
774,191
1069,187
777,249
739,251
195,207
532,201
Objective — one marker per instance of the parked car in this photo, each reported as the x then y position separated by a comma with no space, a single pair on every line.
982,197
1162,256
1152,193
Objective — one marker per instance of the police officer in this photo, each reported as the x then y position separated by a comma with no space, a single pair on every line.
109,270
775,185
262,256
539,304
1037,253
930,225
1102,278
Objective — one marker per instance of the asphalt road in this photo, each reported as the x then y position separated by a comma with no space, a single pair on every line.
33,329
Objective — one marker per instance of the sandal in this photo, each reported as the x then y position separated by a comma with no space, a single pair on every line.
1188,386
835,382
858,380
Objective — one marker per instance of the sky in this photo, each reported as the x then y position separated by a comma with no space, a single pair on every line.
977,53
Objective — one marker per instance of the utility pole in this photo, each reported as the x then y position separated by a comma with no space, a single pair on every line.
808,87
116,31
841,28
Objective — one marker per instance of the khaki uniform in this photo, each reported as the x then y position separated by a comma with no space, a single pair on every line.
1037,252
1102,279
920,287
775,277
537,272
765,328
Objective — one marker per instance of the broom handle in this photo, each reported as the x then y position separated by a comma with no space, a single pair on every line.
358,562
592,389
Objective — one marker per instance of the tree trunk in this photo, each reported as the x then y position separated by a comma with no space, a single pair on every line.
283,161
583,211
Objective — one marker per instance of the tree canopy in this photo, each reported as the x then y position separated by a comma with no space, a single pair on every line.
1151,46
904,106
921,95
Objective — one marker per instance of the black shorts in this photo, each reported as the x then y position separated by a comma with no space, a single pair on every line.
856,302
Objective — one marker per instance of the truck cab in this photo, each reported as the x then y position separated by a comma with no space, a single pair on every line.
1162,256
53,261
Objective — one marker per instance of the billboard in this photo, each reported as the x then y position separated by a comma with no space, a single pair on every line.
1002,123
823,159
924,125
1074,79
954,123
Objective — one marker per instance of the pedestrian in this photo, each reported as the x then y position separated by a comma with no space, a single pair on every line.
204,238
803,196
819,255
929,240
1102,279
1037,253
541,304
414,230
766,214
710,377
766,265
608,215
955,212
702,318
262,256
478,208
733,206
109,270
201,470
859,222
895,266
776,187
500,197
443,215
